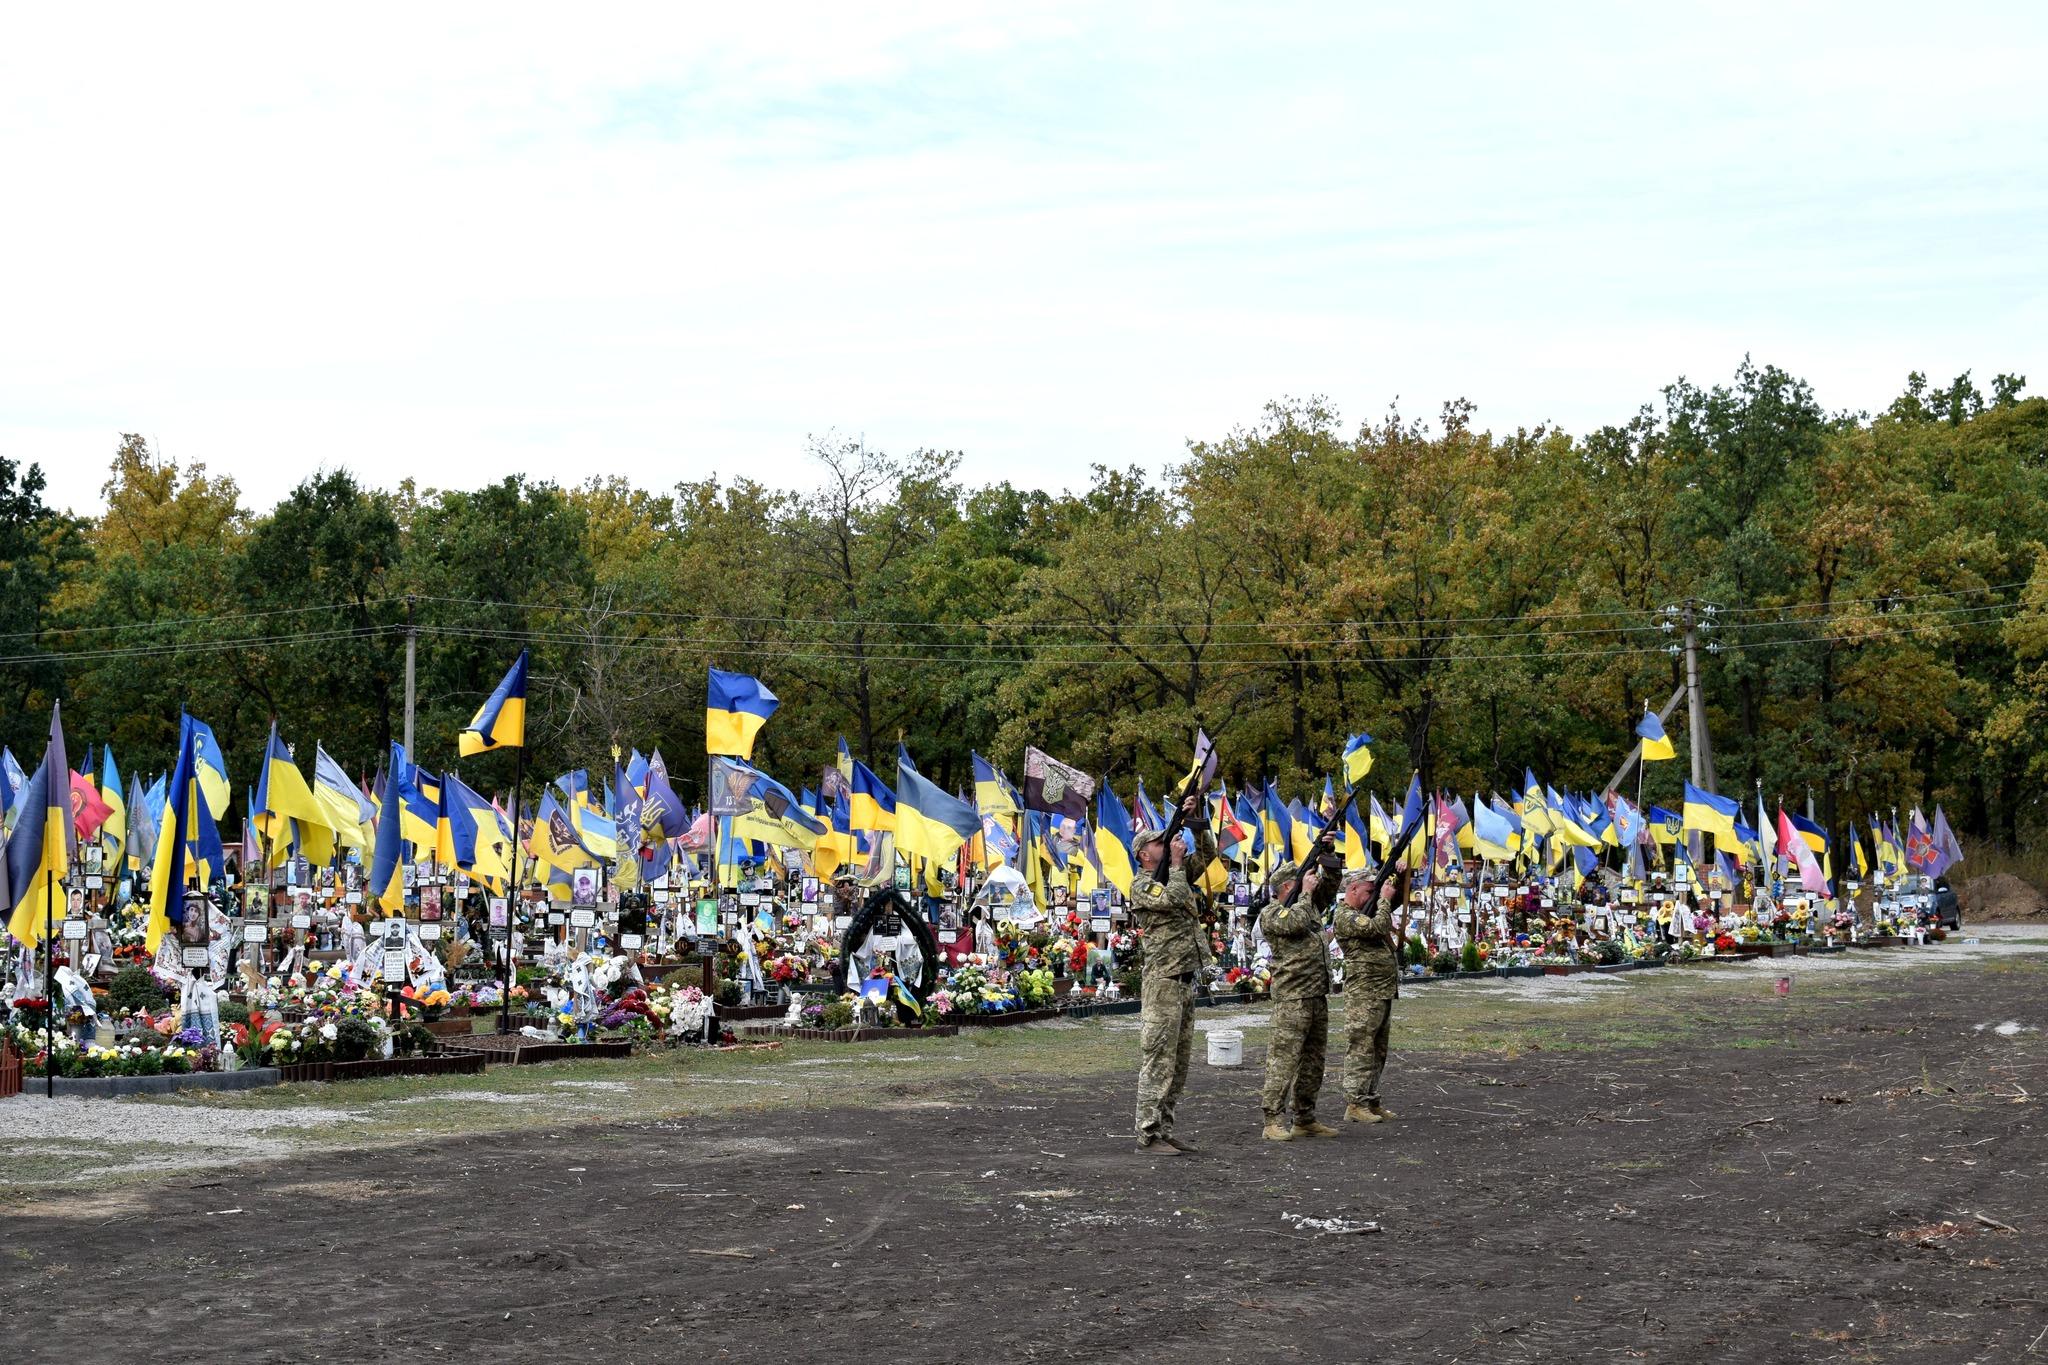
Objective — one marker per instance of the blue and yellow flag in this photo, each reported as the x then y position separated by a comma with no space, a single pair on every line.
1357,758
930,823
1565,822
1810,833
1656,744
39,852
414,794
1711,814
1113,835
1357,840
386,890
177,831
480,841
736,706
283,799
1493,837
1276,825
348,812
1535,805
993,794
114,830
210,767
500,723
871,806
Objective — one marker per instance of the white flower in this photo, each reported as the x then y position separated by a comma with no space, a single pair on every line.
328,1031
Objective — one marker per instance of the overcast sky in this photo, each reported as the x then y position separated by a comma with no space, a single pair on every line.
451,242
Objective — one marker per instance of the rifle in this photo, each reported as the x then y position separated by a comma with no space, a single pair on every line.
1393,858
1178,818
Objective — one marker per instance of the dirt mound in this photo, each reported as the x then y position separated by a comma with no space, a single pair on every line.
2002,896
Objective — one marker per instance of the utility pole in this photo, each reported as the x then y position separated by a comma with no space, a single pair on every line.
412,640
1695,618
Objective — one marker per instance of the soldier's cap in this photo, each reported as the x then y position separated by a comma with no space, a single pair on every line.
1147,838
1356,876
1286,872
844,874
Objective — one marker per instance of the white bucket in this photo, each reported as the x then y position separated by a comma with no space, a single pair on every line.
1226,1047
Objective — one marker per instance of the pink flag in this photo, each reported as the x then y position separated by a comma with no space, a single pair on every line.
1793,844
88,811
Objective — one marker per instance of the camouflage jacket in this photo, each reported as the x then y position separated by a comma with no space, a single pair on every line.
1170,915
1301,960
1370,969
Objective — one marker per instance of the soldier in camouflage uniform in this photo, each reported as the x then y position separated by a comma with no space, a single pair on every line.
1371,982
1293,924
1167,907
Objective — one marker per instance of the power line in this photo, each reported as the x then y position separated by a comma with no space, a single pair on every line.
195,620
1055,623
1069,652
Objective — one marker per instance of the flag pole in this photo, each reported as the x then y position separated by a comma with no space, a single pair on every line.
512,890
49,987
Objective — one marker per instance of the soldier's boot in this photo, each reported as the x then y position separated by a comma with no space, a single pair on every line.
1179,1146
1358,1113
1277,1131
1308,1127
1380,1109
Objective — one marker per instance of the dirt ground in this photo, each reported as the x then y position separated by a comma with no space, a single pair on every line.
1705,1171
2003,898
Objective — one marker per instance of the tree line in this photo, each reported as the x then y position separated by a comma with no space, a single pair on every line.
1480,601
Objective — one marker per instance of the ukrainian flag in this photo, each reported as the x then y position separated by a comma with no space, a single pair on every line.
1656,744
1357,839
478,836
1276,825
39,851
417,796
1564,823
1711,814
872,806
114,832
183,814
929,822
1113,835
735,708
282,794
1811,834
1303,832
500,723
1248,816
1357,758
346,811
386,890
1491,832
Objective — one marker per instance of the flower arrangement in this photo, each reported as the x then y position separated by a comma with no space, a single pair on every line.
129,1060
1034,987
976,986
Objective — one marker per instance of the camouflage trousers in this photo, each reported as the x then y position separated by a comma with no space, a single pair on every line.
1295,1058
1165,1037
1366,1025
